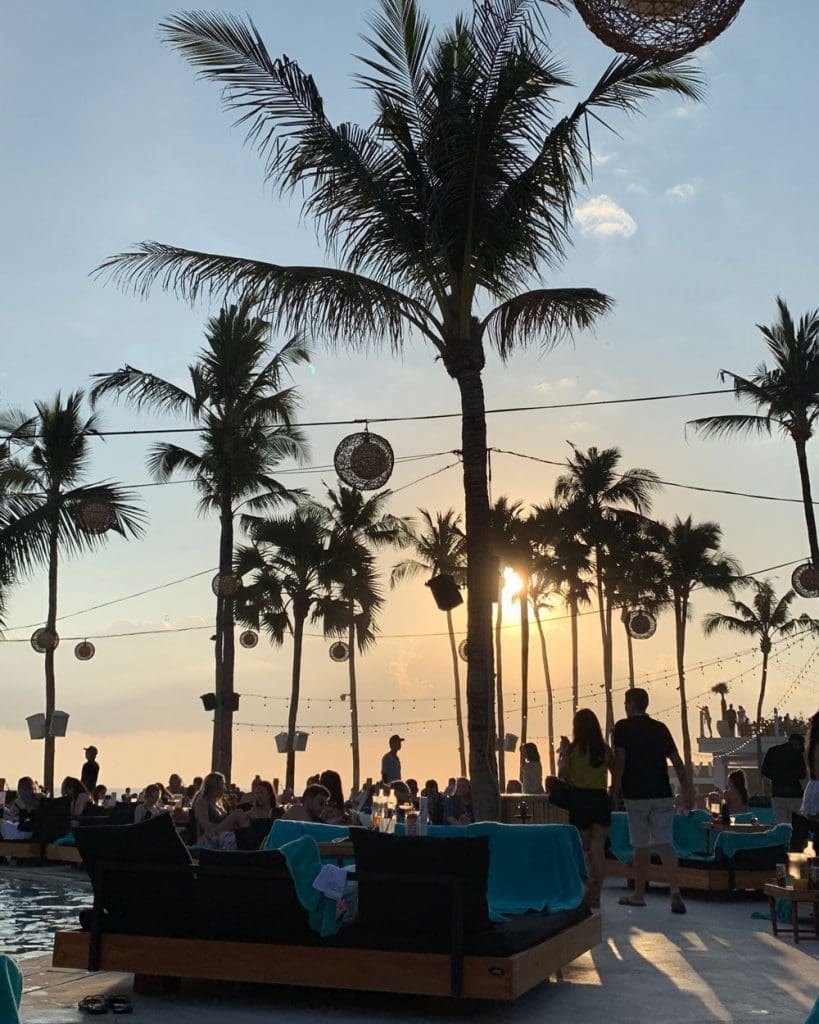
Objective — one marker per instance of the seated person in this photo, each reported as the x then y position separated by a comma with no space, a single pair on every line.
74,789
458,807
335,813
736,793
435,802
98,795
514,786
175,785
149,806
264,800
215,826
17,814
313,801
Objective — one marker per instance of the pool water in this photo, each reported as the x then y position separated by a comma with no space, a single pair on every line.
32,910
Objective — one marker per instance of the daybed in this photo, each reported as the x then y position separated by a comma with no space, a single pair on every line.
425,923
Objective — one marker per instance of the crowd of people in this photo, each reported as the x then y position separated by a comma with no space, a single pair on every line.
737,723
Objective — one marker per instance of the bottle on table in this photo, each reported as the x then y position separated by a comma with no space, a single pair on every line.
726,815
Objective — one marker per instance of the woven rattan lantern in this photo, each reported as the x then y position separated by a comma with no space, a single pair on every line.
85,651
339,651
249,638
641,625
44,639
225,584
96,516
657,29
463,650
445,592
364,461
805,580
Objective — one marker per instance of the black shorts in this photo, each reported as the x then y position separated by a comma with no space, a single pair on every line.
589,807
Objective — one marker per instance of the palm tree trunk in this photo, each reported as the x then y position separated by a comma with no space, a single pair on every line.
353,702
605,640
459,716
629,648
608,670
293,713
50,680
547,677
680,622
222,755
765,645
523,599
499,687
480,586
575,656
807,501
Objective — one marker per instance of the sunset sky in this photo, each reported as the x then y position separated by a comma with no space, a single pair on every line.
697,218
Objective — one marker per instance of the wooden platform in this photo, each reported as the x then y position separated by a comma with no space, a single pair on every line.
700,879
370,970
21,851
63,854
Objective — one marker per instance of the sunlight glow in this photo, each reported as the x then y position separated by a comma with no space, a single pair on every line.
511,586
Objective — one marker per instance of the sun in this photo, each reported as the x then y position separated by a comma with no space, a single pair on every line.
512,584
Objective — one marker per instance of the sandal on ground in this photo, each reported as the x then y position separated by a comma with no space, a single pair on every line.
677,905
93,1004
627,901
119,1004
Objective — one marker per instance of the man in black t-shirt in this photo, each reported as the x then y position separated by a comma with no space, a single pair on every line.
642,749
784,765
90,769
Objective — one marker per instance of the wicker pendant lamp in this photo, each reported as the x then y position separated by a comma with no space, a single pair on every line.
44,639
657,29
641,625
339,651
84,651
225,584
96,516
805,580
364,460
249,638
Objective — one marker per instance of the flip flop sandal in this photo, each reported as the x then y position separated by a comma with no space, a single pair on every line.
119,1004
94,1005
627,901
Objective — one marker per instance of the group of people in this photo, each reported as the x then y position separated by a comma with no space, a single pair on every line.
738,723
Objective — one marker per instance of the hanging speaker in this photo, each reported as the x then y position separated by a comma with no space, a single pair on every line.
445,592
208,701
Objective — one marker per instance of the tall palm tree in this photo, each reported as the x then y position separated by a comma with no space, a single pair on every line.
246,428
47,510
597,493
541,591
766,617
292,565
692,558
786,395
721,690
447,205
360,525
439,544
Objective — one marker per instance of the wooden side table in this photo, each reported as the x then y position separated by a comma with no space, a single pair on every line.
744,828
776,892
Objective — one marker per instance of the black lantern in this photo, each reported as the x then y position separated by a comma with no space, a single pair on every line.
641,625
657,29
364,461
339,651
44,639
445,591
85,651
249,638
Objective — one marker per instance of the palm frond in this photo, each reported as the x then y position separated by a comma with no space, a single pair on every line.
141,390
732,424
545,315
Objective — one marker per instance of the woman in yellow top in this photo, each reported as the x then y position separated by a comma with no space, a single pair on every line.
585,765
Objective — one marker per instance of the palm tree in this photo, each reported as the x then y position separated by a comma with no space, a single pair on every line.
440,549
541,590
245,421
597,493
47,511
766,617
692,558
360,524
448,204
292,566
721,690
786,395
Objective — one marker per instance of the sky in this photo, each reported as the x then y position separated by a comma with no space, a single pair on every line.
697,218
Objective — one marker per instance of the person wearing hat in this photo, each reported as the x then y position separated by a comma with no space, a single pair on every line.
391,762
90,770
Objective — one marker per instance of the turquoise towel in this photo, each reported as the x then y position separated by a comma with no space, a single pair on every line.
66,840
764,815
304,863
689,835
814,1014
286,831
530,866
11,990
729,843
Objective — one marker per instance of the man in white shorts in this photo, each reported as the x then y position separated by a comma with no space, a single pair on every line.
642,749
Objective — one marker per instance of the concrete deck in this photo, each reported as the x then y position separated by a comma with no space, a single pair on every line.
714,964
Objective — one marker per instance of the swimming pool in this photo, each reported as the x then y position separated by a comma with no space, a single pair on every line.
31,910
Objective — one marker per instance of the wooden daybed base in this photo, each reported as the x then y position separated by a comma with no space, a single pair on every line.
364,970
19,850
701,879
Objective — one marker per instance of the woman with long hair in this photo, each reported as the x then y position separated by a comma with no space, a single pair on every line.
531,772
74,789
215,825
585,766
810,798
736,793
264,800
16,823
335,811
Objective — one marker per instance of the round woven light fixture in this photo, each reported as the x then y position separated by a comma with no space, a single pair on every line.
225,584
364,461
249,638
463,650
641,625
96,516
339,651
805,580
85,651
44,639
657,29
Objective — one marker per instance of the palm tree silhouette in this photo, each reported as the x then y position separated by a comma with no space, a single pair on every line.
440,214
440,548
766,617
47,510
542,589
787,395
246,428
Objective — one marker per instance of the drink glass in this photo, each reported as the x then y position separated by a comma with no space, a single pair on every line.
781,874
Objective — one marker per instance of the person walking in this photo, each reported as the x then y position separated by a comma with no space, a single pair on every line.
391,762
784,766
642,749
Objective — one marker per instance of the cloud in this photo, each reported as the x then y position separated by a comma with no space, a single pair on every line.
639,190
682,192
603,217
